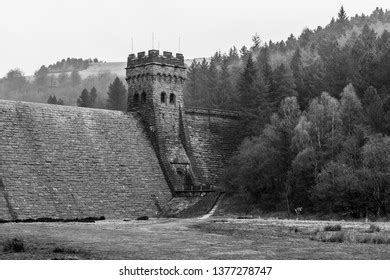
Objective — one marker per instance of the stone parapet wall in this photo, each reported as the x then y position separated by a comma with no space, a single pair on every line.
214,136
68,162
212,112
154,57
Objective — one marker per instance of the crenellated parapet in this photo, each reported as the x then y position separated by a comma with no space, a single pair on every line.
160,77
154,57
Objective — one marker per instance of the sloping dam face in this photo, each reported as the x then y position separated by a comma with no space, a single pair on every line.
69,162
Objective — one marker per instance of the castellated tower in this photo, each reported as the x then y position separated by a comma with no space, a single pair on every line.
155,85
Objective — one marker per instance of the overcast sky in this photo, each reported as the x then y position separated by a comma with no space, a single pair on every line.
43,31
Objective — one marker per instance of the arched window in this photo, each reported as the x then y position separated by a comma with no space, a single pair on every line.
136,100
143,98
163,97
172,99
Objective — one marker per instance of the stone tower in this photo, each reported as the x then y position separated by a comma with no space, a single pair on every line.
155,85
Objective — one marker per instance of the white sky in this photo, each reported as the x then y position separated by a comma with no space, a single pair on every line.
36,32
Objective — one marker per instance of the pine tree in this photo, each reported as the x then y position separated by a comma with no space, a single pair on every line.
93,96
233,56
342,15
117,95
298,74
244,53
191,90
224,92
212,85
85,99
263,65
50,100
246,85
256,42
282,86
203,83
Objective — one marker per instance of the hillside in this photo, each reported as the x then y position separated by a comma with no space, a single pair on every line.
115,68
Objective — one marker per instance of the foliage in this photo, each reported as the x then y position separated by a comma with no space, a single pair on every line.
324,159
53,100
70,64
75,78
117,95
87,99
14,245
332,227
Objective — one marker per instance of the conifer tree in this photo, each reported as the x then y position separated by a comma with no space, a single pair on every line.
342,15
246,88
298,74
50,100
93,95
282,86
85,99
223,97
191,92
117,95
212,85
256,42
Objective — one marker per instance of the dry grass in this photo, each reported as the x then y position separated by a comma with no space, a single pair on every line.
220,238
370,236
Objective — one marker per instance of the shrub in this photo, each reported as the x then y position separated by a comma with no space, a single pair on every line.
293,229
65,250
373,228
332,227
15,245
329,237
352,237
380,238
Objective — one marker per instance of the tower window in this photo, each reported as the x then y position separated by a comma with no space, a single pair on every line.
172,99
163,97
136,99
143,98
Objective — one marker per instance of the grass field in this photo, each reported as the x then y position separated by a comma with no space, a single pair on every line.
216,238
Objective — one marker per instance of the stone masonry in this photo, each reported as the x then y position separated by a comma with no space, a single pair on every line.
70,162
67,162
188,142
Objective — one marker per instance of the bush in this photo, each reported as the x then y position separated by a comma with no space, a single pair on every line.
373,228
15,245
330,237
293,229
380,238
332,227
352,237
65,250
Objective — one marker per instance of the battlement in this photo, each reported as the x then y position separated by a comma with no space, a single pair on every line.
154,57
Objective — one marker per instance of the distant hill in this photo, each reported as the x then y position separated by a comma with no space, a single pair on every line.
116,68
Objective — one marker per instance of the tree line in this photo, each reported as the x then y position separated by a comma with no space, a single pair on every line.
116,96
315,112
